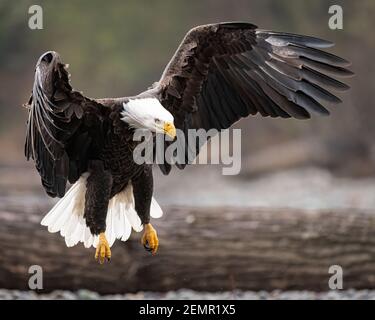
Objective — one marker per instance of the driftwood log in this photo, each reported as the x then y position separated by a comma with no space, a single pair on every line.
204,249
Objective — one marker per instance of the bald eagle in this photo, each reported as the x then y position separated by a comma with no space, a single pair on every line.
220,73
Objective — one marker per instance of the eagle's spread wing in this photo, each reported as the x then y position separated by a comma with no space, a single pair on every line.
63,126
223,72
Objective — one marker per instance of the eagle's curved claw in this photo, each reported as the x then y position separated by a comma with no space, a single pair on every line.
103,250
150,239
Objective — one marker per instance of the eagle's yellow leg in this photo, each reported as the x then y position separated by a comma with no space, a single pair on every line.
103,250
150,239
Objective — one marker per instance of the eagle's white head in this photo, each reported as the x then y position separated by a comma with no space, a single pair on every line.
148,113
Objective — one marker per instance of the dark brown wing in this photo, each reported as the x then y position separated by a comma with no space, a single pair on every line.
64,128
223,72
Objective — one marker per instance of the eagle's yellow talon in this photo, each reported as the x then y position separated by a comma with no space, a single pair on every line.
103,250
150,239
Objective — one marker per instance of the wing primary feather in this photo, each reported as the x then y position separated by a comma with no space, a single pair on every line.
283,39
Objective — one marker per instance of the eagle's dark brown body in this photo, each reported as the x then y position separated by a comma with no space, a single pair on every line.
117,157
112,169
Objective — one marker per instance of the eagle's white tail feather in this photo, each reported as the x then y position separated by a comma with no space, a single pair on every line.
53,220
155,210
67,216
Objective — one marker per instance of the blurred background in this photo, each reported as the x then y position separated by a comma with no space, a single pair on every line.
118,48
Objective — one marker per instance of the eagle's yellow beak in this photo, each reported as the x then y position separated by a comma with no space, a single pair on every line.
169,129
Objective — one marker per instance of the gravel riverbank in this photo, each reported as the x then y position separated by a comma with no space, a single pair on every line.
185,294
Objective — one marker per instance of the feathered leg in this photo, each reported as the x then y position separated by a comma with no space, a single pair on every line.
99,184
142,191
